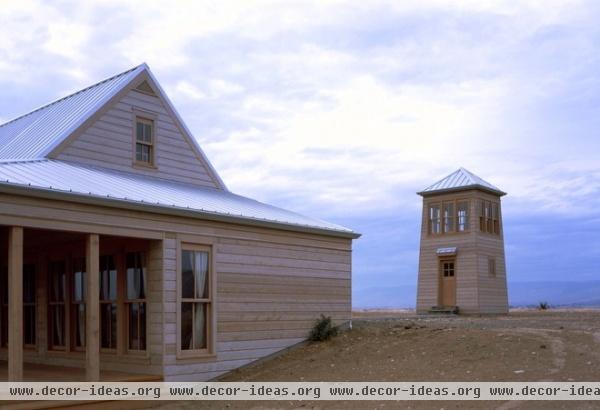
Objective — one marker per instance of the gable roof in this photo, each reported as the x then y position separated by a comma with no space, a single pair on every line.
89,184
36,134
43,132
461,180
29,144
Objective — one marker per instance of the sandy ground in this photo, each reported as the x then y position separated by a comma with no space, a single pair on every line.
398,346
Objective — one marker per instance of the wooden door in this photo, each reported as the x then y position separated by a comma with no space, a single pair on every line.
448,282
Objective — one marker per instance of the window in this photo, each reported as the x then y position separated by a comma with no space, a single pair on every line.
108,302
434,219
448,217
78,294
144,141
495,218
29,300
195,300
448,269
136,300
56,303
4,306
462,216
29,291
492,266
489,217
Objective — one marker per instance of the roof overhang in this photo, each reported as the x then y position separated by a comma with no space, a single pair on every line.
118,203
425,194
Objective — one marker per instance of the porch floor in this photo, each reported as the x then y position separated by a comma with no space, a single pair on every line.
33,372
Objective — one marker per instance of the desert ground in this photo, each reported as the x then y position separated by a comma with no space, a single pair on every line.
526,345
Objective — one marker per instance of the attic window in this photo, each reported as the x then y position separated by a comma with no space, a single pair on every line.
144,141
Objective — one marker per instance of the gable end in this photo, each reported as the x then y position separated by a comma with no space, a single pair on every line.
178,155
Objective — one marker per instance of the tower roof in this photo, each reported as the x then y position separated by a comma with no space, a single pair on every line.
461,180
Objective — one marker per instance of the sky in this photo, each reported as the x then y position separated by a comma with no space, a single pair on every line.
343,110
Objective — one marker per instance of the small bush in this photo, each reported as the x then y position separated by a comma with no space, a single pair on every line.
543,306
322,330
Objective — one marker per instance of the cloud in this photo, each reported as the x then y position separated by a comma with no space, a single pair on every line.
344,109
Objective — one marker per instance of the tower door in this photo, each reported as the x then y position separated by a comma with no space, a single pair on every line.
447,282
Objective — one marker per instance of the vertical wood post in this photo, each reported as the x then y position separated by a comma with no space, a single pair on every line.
15,304
92,309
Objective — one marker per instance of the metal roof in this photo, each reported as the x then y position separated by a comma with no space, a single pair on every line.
460,180
86,183
37,133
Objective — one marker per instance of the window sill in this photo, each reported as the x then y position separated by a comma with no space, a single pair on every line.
193,357
144,165
442,235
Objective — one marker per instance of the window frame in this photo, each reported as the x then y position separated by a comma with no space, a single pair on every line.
211,322
441,205
4,307
147,118
467,223
64,304
127,302
492,268
107,302
489,216
74,303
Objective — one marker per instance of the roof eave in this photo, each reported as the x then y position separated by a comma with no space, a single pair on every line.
465,188
166,210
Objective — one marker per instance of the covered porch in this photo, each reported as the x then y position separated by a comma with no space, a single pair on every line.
87,303
35,372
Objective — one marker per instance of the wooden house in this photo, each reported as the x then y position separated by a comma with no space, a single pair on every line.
125,254
461,263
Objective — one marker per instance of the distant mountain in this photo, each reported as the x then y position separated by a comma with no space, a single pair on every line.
555,293
519,294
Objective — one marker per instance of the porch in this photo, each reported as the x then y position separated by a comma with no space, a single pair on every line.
87,304
34,372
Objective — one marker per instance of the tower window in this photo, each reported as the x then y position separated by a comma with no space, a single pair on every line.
462,216
489,217
435,219
448,217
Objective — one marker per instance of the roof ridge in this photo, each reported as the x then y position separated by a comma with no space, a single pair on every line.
72,94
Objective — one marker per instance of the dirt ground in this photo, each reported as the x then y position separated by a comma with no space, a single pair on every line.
555,345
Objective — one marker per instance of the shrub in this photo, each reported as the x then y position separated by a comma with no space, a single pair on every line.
543,306
322,330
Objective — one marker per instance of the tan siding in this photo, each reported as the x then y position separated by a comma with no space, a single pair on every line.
271,284
269,295
476,292
108,142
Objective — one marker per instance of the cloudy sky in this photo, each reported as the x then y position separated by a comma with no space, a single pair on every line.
343,110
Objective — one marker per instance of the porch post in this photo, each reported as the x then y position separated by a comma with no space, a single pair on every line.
15,304
92,309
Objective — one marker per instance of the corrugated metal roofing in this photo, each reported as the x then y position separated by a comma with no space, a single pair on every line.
459,180
91,182
37,133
